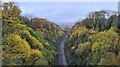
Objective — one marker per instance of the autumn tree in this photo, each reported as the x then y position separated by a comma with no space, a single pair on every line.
15,48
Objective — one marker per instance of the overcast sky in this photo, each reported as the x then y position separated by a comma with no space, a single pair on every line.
64,12
63,0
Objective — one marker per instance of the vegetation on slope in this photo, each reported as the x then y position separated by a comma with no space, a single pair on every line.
28,41
95,40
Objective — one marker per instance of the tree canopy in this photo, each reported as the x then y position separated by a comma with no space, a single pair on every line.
95,40
28,41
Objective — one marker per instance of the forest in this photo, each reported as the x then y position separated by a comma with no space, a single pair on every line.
28,41
94,40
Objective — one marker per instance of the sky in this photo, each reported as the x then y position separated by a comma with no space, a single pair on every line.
62,0
64,13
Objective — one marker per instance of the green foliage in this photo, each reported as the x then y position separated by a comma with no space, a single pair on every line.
105,41
34,56
11,13
18,61
95,40
118,58
41,61
28,41
49,54
15,48
109,59
36,53
82,47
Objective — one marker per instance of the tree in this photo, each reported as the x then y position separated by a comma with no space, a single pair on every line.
109,59
27,41
14,47
10,13
10,16
94,39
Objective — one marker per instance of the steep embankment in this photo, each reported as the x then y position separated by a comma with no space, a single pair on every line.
95,40
28,41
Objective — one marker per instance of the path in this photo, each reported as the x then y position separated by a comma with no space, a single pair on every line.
61,53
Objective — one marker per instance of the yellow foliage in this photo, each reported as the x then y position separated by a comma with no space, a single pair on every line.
15,47
105,40
36,53
82,47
